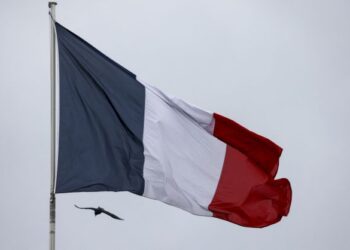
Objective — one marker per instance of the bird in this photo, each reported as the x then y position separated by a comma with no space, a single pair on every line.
100,210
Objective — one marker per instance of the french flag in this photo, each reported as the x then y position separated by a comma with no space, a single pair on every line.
117,133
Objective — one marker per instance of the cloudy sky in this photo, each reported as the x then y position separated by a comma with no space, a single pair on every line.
281,68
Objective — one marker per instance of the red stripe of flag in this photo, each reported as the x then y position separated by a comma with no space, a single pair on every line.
247,193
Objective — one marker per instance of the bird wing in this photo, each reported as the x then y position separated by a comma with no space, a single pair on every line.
110,214
91,208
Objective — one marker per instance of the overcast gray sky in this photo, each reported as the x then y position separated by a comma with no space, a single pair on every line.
281,68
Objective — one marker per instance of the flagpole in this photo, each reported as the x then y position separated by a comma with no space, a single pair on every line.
52,6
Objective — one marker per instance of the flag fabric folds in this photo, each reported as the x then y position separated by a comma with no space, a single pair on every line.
117,133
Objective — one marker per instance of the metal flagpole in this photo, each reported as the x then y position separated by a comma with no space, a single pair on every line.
52,6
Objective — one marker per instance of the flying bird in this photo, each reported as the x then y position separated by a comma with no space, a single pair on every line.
100,210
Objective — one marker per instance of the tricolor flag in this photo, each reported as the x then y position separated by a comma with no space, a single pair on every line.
117,133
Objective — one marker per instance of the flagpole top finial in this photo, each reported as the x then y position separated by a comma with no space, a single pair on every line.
52,4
